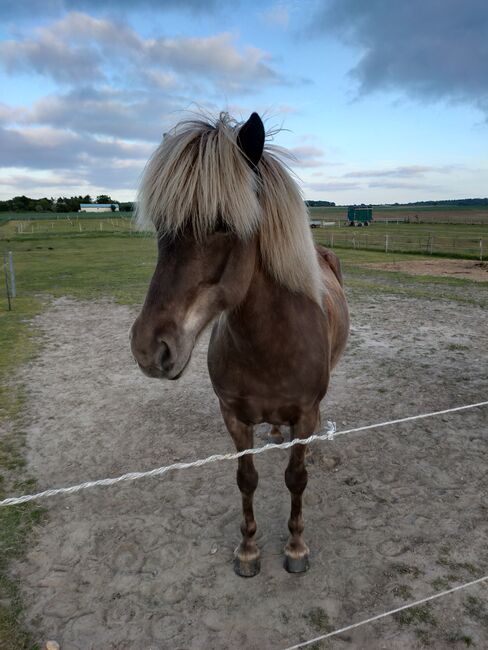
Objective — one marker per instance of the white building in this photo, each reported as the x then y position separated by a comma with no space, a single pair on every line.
99,207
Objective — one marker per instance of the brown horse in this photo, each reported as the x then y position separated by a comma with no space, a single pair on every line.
235,247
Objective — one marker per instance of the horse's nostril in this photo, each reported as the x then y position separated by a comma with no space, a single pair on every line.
165,355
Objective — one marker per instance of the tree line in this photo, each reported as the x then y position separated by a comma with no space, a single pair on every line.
60,204
448,202
72,203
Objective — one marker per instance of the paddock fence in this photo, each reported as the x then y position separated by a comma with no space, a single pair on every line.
429,244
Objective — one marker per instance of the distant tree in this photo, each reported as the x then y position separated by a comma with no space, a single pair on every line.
112,207
104,198
319,204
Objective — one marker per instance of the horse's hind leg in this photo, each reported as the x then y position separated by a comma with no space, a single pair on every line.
246,555
296,551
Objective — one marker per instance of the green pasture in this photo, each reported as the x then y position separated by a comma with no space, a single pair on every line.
60,216
68,225
451,240
94,264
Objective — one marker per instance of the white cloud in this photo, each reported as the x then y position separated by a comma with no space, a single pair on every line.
118,92
82,49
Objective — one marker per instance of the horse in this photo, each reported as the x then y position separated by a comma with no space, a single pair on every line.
235,249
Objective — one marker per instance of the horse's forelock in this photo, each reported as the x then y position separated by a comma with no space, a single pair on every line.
198,177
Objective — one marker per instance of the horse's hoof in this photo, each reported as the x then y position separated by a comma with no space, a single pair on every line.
296,564
247,568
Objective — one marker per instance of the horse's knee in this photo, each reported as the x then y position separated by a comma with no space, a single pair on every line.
247,478
296,479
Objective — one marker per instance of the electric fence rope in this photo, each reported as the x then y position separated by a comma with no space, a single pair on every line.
330,434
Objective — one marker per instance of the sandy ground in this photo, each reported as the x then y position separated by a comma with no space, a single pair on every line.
149,564
467,269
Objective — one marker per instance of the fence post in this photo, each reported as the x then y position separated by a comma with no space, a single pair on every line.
6,281
13,290
332,240
386,243
431,243
481,250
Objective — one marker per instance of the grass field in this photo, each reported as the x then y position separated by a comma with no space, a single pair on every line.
96,263
453,240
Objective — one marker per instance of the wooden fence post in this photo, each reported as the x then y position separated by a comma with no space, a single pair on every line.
13,290
7,289
481,250
386,243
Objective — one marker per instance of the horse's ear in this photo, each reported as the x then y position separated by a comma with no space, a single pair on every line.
251,139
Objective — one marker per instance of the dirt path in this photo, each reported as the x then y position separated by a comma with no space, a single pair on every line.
390,516
465,269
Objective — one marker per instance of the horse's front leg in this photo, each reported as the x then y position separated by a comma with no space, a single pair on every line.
296,551
246,555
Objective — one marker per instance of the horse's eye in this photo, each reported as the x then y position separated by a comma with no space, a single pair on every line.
221,226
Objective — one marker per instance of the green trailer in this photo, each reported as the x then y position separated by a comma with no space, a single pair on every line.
359,216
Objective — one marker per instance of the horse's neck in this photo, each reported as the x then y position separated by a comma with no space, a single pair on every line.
270,310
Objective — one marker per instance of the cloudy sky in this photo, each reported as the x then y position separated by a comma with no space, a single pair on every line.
380,101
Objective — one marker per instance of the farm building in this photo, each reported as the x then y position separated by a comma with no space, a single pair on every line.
99,207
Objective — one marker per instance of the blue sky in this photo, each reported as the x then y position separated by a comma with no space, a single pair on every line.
380,101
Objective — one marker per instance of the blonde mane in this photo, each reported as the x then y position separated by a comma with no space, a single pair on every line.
198,175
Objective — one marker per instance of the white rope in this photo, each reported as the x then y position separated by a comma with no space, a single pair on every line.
330,434
392,611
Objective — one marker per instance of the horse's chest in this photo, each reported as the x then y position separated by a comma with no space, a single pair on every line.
267,383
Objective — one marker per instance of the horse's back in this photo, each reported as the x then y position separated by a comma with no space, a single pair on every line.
335,303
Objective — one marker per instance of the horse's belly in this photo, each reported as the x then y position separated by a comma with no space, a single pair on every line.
255,410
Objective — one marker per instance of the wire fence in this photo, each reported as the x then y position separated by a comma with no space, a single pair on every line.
66,225
329,434
427,244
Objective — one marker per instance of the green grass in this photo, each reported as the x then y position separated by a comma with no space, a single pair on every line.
87,267
418,614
